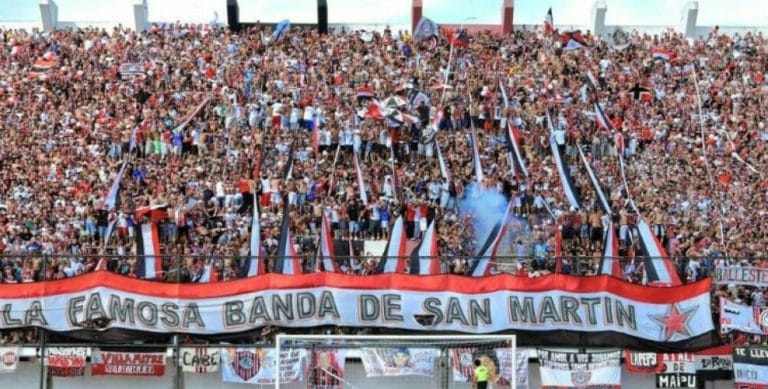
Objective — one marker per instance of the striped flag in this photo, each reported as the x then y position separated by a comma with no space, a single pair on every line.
593,80
603,121
325,250
487,254
513,134
287,261
610,264
548,23
424,259
478,166
360,180
209,275
112,198
255,264
565,176
443,168
595,183
503,94
364,92
149,264
333,169
659,269
662,54
288,174
573,40
110,230
393,260
156,213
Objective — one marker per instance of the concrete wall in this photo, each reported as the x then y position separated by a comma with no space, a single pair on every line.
27,376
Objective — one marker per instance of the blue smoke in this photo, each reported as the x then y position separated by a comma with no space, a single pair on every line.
486,209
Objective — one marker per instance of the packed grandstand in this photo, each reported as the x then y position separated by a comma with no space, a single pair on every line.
193,154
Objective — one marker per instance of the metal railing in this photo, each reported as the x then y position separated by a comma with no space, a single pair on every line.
183,268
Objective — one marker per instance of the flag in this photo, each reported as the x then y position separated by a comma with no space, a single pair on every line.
360,181
112,197
565,176
640,93
425,29
513,134
364,92
149,264
603,121
326,252
504,97
282,27
443,168
487,254
393,260
374,110
573,40
662,54
738,317
424,259
610,263
593,80
659,269
288,173
288,261
595,183
333,169
155,213
478,166
459,39
209,275
255,263
110,230
548,24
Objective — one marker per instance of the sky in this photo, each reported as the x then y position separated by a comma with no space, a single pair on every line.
565,12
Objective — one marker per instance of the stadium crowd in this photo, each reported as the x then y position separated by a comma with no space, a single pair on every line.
207,123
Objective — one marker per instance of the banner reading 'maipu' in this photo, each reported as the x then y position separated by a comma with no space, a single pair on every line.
598,311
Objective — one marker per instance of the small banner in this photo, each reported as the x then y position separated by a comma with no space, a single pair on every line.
393,362
750,367
127,363
571,369
10,359
742,275
679,371
742,318
249,365
327,369
66,361
642,362
495,360
714,363
200,359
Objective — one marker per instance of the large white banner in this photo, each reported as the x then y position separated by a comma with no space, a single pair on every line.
249,365
610,310
572,369
9,356
388,362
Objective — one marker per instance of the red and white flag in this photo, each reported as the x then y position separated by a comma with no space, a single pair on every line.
548,24
393,260
487,255
326,252
610,263
360,181
662,54
148,251
424,259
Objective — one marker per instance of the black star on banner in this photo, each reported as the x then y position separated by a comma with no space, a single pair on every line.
675,321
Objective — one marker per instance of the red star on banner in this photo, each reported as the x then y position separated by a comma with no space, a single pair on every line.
675,321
